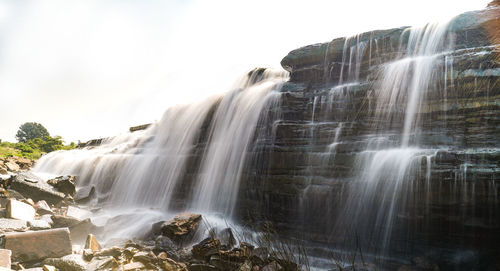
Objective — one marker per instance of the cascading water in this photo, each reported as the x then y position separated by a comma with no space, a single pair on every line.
232,130
388,172
143,169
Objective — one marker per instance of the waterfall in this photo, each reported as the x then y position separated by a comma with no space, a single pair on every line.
388,169
146,168
232,130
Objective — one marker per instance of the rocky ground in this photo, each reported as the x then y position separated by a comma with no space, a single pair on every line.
42,226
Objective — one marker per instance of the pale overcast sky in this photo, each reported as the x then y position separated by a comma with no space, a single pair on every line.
92,68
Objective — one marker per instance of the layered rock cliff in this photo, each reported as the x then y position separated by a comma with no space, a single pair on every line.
303,170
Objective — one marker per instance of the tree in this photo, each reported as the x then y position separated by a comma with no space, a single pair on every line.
31,130
52,144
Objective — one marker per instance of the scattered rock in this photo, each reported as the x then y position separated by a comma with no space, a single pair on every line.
71,262
23,163
64,221
12,167
164,243
205,248
162,255
30,202
246,266
42,208
134,266
8,225
47,267
171,265
64,184
3,168
38,224
47,218
103,263
20,210
87,254
273,266
181,226
77,213
156,228
5,255
37,245
84,194
37,191
226,238
147,258
11,193
223,263
92,243
112,251
261,254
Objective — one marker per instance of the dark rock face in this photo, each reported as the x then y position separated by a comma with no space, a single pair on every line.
306,163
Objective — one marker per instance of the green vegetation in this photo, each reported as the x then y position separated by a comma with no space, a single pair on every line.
34,140
31,130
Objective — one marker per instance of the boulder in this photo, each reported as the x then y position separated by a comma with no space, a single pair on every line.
38,224
112,251
71,262
61,221
103,263
77,213
11,193
38,245
84,194
181,226
23,163
20,210
171,265
64,184
226,238
31,186
8,225
47,218
206,248
42,208
5,255
92,243
147,258
12,167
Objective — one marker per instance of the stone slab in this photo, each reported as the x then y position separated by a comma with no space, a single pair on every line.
37,245
20,210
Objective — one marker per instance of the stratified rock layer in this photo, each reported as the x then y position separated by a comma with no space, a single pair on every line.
296,178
